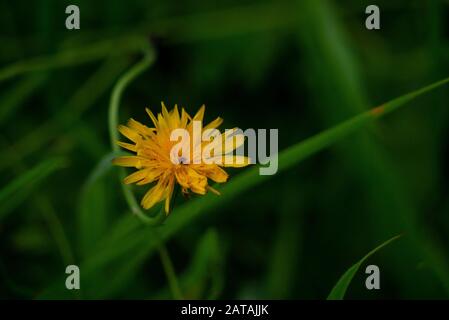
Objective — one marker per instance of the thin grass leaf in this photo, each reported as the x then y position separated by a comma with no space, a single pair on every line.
83,98
205,268
92,214
56,229
14,193
339,290
240,20
284,259
13,99
73,57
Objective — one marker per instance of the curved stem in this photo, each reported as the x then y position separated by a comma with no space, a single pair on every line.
118,90
114,105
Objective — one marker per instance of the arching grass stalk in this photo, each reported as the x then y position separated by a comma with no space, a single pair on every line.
114,106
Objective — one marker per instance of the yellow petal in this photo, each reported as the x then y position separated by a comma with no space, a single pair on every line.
232,142
215,173
151,176
213,190
128,161
140,128
153,118
200,114
235,161
143,176
166,116
154,195
197,182
127,146
184,118
129,133
182,177
214,124
169,194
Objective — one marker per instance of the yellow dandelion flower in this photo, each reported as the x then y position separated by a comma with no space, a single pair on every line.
153,158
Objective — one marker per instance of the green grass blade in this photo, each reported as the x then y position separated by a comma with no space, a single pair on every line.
92,211
56,229
84,98
205,266
284,262
170,273
17,190
14,98
240,20
339,290
73,57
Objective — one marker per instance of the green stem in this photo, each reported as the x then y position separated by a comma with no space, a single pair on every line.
56,229
114,105
118,90
170,273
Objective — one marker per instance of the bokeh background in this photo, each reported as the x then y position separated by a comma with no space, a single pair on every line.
299,66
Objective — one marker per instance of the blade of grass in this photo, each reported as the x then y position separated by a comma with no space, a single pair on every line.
170,273
14,98
391,209
205,266
21,187
339,290
92,215
56,229
44,205
73,57
84,98
245,19
141,237
284,259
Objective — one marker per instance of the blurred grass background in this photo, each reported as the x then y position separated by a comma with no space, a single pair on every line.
300,66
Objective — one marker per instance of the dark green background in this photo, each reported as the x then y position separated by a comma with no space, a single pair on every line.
298,66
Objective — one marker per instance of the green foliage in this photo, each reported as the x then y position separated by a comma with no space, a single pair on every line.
17,190
308,68
339,290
